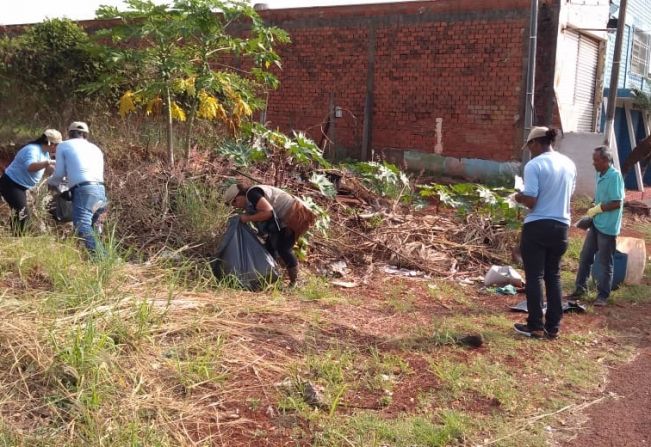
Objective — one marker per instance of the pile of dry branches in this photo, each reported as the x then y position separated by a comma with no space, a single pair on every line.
365,228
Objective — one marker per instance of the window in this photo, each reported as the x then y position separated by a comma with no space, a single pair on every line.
640,53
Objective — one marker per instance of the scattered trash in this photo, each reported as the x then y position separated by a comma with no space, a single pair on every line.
467,281
338,269
500,276
271,413
507,290
344,284
313,395
391,270
568,306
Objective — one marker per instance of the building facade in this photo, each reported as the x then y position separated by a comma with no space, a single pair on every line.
632,121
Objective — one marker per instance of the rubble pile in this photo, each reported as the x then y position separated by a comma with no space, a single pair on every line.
366,230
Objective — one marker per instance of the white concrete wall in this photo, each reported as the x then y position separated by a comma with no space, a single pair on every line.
579,146
588,16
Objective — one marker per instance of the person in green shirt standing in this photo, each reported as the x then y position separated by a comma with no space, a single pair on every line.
601,238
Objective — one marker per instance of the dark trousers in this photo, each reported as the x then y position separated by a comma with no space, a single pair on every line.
542,245
16,197
603,246
281,244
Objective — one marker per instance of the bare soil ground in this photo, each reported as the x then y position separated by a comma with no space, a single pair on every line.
625,418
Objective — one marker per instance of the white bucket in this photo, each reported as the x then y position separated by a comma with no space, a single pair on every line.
635,249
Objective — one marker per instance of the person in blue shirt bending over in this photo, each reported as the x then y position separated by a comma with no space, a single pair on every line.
82,164
549,182
25,172
601,237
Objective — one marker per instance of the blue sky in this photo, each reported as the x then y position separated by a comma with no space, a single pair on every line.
32,11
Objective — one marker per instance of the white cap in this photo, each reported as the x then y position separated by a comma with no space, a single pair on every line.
536,132
53,136
230,194
79,126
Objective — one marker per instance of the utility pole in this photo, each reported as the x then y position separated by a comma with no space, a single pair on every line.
609,136
531,76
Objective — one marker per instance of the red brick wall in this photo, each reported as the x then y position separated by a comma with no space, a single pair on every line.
459,60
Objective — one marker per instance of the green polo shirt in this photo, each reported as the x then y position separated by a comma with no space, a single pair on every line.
610,186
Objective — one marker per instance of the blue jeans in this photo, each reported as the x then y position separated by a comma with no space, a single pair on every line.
88,204
603,246
543,244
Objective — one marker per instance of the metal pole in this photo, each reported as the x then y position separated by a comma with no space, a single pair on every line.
531,76
614,78
367,132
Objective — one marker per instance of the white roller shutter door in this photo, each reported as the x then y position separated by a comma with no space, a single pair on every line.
586,83
568,66
578,79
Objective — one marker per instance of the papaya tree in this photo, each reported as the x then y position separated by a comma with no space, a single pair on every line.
187,56
232,53
149,38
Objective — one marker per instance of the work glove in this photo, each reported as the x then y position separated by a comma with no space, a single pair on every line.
592,212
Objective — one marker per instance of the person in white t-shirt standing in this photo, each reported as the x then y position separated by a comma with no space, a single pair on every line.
549,182
82,164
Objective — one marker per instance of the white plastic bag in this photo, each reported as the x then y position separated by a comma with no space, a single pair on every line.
501,275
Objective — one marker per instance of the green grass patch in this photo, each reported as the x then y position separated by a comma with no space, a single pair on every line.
446,291
316,288
366,429
399,298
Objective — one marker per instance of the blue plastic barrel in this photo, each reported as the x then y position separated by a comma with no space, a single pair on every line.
619,268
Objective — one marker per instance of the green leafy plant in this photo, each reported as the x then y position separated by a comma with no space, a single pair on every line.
325,186
241,153
321,225
384,178
322,217
285,152
469,198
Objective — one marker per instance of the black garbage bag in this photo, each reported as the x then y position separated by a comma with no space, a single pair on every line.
241,256
61,208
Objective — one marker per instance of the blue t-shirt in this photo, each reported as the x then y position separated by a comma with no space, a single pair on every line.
610,187
17,170
551,178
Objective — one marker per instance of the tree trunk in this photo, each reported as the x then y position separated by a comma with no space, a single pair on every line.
170,128
191,119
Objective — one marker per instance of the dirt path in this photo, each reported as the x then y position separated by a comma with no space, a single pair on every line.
626,419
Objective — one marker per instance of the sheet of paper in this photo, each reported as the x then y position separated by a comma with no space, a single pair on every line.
518,183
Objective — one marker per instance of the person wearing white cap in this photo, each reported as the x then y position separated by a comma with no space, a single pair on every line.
549,182
25,172
81,163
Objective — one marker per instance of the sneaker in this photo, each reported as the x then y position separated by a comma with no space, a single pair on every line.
551,335
523,329
600,302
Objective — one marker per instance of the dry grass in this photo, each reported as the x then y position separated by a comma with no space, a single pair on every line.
125,354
